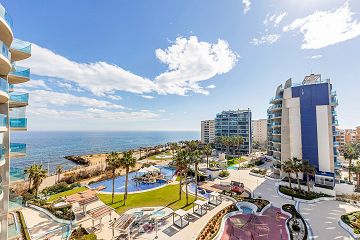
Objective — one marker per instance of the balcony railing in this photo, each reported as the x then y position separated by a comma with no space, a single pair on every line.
4,86
334,113
334,101
275,99
335,123
333,93
4,50
17,98
21,46
5,15
20,72
276,124
276,106
336,144
18,148
18,123
3,120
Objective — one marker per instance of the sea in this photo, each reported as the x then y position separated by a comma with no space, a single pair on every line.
49,148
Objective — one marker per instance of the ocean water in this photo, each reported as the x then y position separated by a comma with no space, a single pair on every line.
49,148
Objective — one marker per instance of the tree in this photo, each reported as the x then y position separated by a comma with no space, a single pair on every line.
58,171
181,166
308,170
39,174
356,170
173,147
236,142
29,171
207,151
126,162
288,168
297,167
113,163
195,158
351,152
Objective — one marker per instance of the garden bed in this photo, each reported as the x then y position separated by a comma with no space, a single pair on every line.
81,234
353,220
61,212
213,226
301,194
296,224
258,202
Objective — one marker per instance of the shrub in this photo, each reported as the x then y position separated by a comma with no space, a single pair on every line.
296,228
295,215
301,193
224,173
259,171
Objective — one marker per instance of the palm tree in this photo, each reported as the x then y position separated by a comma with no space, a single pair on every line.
238,141
39,174
207,151
356,170
351,152
126,162
58,171
195,158
297,167
309,170
288,168
173,147
113,163
181,165
29,171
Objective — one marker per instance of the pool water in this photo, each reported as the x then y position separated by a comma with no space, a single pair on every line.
246,210
233,167
134,186
201,192
159,213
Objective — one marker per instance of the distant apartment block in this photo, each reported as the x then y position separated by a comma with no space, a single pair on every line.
235,123
302,123
346,136
12,109
259,131
208,131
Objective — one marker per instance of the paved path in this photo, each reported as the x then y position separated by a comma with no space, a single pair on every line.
39,224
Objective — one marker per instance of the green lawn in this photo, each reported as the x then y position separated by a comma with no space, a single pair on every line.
166,196
235,161
66,193
154,157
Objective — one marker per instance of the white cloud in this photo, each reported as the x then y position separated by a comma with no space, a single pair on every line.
45,98
190,62
314,57
162,110
147,96
246,4
325,28
275,19
114,97
36,84
267,39
212,86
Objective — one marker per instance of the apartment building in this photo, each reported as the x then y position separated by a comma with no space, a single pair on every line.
348,136
302,123
235,123
12,107
208,131
259,131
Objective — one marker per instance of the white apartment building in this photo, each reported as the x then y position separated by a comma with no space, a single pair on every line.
259,131
208,131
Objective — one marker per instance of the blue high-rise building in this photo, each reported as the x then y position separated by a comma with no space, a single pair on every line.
302,123
235,123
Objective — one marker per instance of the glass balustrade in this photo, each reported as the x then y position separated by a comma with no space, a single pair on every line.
21,46
4,86
20,72
19,98
3,120
4,50
275,99
18,122
6,16
17,147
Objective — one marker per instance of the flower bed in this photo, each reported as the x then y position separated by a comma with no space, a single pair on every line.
81,234
259,171
213,226
224,174
353,220
296,224
301,194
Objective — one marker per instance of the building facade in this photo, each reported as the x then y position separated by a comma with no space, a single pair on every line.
208,131
302,123
12,107
235,123
346,136
259,131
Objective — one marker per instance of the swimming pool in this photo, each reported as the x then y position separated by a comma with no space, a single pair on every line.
233,167
201,192
246,210
134,186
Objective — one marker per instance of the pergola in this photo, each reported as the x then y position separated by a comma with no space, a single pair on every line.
181,222
98,214
123,224
214,198
86,201
201,208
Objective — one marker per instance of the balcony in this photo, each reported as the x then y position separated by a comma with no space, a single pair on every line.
333,113
336,133
2,156
276,132
275,99
333,93
3,126
17,149
334,101
275,107
276,125
1,189
20,50
4,97
18,99
5,26
5,64
335,123
336,144
18,124
276,117
18,75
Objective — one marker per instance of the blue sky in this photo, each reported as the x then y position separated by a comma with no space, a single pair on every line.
166,65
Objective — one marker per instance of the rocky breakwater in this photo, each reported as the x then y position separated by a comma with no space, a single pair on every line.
78,159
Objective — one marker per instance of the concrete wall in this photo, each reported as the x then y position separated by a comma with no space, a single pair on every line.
323,138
